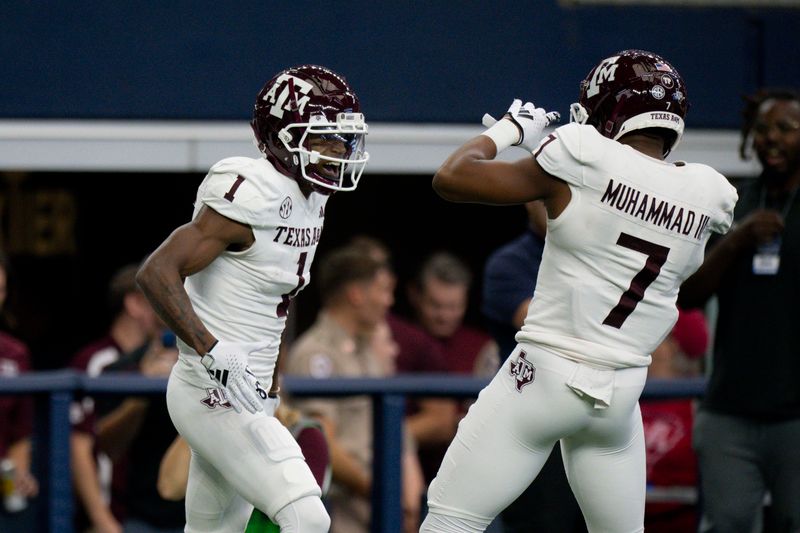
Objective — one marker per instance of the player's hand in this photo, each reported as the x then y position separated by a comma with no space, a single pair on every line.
529,120
226,363
759,227
270,399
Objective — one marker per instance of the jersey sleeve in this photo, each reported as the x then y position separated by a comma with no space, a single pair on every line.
229,191
566,151
728,199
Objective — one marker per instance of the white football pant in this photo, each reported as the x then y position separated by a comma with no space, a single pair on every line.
507,435
239,460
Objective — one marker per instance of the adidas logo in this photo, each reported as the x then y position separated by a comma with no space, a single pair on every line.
221,376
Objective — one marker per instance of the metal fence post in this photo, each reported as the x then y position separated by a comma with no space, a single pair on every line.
59,504
388,413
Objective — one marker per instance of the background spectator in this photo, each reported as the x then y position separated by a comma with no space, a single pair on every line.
430,422
356,292
133,324
439,295
135,432
16,413
747,431
671,463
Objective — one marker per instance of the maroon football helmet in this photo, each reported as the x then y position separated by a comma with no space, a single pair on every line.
303,102
633,90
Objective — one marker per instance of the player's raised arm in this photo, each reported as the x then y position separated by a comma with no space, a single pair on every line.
471,174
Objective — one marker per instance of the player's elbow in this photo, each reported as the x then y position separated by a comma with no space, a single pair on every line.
144,277
169,490
446,185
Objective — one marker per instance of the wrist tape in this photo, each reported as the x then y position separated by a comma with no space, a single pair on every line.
504,133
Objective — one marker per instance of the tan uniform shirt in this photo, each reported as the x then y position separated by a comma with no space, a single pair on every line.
325,351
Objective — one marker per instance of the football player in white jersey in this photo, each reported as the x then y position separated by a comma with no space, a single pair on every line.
223,283
624,229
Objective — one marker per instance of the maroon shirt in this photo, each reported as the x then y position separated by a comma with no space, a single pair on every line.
462,348
91,360
419,352
314,446
16,412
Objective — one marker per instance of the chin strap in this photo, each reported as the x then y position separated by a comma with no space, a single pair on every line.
578,113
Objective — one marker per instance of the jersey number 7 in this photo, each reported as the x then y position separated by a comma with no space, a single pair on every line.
656,257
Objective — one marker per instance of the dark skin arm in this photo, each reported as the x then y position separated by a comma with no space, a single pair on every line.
471,174
189,249
758,227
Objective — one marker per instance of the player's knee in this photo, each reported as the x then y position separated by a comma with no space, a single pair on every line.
288,470
306,515
439,523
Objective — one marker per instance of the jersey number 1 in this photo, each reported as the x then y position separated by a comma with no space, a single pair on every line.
286,299
656,257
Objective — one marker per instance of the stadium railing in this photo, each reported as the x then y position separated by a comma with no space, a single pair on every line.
58,388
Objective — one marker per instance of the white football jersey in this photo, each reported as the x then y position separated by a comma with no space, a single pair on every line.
614,259
244,296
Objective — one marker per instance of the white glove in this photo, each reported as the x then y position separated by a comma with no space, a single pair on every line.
226,363
529,120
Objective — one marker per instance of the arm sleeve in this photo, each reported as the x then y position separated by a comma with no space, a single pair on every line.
728,199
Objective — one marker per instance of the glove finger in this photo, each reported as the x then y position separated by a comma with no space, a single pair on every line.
251,398
233,400
248,394
241,396
553,117
515,106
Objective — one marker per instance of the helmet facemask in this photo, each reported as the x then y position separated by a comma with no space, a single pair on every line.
336,173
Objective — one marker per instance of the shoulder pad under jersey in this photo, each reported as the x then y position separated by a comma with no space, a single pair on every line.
233,188
564,152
